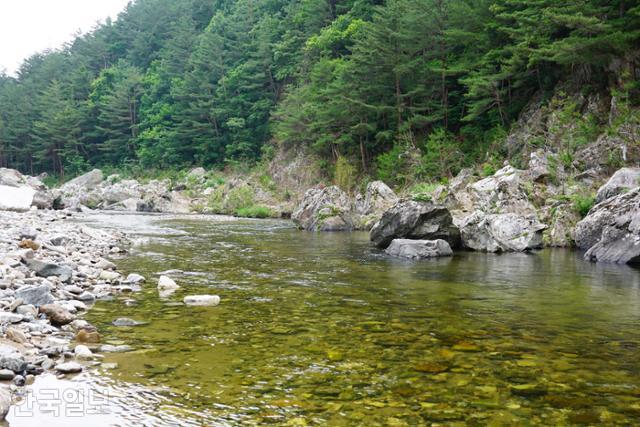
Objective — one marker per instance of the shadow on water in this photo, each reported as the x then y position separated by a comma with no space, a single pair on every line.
324,329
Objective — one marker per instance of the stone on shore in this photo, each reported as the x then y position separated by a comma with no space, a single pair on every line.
57,315
5,402
409,219
12,359
69,367
202,300
82,352
46,269
17,199
35,295
419,249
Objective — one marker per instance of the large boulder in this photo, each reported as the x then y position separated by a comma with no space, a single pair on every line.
611,230
17,199
623,180
88,181
377,200
324,209
501,232
415,220
19,192
504,192
419,249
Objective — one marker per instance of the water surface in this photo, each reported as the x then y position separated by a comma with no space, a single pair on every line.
324,329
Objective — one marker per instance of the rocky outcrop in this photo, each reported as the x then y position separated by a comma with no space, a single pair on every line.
621,181
611,230
331,209
501,232
378,198
324,209
415,220
419,249
93,191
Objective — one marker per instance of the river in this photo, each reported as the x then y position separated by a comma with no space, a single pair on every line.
324,329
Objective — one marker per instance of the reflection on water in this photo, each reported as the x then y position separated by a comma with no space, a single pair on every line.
323,329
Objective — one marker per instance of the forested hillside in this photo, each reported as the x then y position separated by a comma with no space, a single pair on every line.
177,83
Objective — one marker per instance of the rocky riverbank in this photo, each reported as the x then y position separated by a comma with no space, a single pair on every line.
52,269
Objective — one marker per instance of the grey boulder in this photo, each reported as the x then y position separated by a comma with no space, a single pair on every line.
501,232
419,249
417,221
35,295
45,269
623,180
611,230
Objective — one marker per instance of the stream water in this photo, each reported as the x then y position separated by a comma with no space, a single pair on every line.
324,329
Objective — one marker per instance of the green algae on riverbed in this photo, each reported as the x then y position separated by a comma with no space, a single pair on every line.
323,329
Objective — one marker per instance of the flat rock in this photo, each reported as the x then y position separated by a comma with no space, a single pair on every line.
69,367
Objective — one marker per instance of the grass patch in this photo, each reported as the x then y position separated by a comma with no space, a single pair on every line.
254,212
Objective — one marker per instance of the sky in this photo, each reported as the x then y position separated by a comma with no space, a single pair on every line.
30,26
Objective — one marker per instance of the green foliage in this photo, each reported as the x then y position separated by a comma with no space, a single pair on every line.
404,89
345,175
254,212
582,203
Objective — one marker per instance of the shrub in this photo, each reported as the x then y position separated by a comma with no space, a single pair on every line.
583,203
254,212
345,175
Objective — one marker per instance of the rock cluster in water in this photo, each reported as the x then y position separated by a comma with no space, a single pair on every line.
511,211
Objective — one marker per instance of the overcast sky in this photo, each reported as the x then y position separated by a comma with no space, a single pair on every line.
30,26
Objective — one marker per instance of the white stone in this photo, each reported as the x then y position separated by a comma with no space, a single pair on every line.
16,198
202,300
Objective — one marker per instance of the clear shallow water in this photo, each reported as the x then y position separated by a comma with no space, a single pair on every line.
323,329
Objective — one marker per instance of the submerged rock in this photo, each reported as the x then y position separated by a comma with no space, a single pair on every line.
419,249
501,232
202,300
125,321
611,230
415,220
